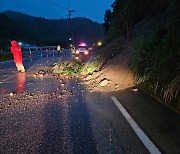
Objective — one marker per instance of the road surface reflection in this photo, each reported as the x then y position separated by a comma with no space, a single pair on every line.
21,78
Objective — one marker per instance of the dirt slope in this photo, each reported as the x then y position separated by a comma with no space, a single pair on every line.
115,75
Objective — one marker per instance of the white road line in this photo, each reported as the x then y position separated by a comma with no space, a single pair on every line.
142,136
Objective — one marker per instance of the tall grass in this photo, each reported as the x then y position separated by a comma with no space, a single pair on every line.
156,64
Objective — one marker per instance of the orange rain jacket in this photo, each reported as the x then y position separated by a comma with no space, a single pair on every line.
16,51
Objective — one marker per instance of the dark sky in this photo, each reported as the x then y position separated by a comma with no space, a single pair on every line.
55,9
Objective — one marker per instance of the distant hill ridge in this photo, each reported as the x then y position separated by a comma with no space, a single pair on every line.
45,31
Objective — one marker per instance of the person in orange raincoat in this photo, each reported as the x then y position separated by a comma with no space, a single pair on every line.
17,54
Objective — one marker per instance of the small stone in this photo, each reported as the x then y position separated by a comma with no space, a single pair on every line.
116,86
88,77
135,89
104,82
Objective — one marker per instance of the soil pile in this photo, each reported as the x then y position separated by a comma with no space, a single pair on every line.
116,74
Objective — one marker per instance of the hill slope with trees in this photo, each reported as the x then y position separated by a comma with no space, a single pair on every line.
152,31
41,31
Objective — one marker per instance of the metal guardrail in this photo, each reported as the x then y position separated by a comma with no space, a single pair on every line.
40,48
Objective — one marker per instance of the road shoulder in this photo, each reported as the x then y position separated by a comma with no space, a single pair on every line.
160,123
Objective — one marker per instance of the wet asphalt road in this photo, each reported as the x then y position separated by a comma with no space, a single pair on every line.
53,115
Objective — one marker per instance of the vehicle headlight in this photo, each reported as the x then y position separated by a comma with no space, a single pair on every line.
86,52
77,52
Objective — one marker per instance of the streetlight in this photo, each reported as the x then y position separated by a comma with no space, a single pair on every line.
99,43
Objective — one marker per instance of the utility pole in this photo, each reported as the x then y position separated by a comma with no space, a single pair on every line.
70,25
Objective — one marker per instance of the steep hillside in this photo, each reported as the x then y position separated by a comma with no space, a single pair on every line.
153,27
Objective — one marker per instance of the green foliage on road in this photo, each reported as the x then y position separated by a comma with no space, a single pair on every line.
70,68
93,65
75,68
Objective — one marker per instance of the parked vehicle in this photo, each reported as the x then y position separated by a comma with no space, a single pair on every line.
83,50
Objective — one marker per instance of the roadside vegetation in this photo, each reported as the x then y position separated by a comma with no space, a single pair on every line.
156,67
5,56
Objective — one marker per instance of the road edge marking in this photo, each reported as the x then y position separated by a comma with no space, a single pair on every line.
140,133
